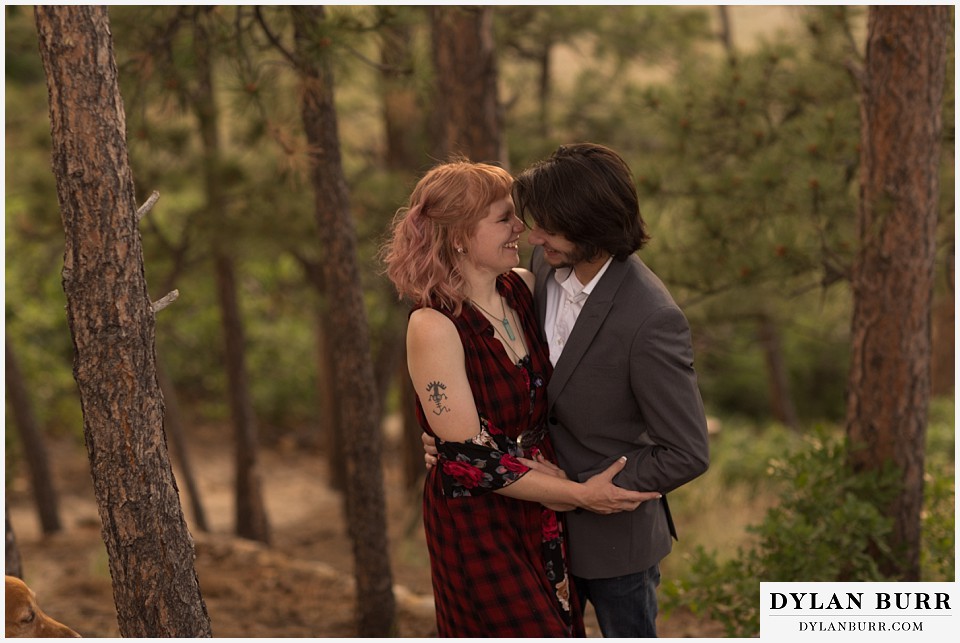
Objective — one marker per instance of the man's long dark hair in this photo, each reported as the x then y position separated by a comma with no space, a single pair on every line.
586,193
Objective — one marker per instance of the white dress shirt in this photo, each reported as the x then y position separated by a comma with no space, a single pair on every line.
565,299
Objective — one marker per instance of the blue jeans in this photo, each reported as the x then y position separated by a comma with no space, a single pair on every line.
626,606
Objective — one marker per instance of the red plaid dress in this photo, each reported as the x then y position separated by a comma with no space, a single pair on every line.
498,564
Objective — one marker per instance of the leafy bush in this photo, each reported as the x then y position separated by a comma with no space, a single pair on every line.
827,527
938,520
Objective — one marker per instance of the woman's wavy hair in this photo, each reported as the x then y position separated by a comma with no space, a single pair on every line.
586,193
443,212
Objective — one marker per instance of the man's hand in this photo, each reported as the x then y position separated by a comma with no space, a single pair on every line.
429,450
601,496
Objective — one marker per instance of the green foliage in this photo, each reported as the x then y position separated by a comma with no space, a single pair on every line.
827,523
938,520
741,452
745,172
747,176
828,526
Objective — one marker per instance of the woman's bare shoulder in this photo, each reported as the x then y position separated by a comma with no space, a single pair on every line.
528,277
426,323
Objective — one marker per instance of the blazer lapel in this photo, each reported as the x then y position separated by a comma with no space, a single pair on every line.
594,311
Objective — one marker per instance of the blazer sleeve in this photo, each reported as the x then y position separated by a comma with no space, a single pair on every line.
664,385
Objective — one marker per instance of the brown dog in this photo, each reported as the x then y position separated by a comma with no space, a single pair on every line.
25,619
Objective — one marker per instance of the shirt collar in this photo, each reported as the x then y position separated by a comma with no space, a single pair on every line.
567,279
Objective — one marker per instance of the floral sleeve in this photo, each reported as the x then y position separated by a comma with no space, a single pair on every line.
484,463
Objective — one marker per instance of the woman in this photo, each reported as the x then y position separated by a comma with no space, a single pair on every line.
479,369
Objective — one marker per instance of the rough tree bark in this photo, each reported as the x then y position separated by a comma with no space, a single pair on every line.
893,275
467,109
34,447
112,323
349,333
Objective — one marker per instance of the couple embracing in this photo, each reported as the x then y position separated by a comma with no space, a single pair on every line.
561,402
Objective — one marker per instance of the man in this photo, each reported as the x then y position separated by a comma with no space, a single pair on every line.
623,382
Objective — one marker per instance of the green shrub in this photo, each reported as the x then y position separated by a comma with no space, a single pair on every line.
827,527
938,520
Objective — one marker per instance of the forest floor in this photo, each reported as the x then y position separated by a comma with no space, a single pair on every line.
301,585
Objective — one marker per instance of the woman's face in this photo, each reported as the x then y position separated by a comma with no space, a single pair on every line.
494,244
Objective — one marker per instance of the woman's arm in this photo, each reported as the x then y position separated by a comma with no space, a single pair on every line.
437,368
438,371
598,494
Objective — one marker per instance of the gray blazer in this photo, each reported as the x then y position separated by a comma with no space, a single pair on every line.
625,385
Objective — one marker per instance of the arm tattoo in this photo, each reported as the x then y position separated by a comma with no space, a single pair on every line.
437,396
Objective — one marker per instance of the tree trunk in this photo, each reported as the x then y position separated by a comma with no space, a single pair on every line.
403,122
468,114
726,34
173,423
34,449
12,562
112,324
781,399
251,513
328,423
329,409
889,384
413,465
349,334
402,117
545,87
943,342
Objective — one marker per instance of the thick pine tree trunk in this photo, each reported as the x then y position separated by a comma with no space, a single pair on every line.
889,385
467,110
34,448
348,334
112,324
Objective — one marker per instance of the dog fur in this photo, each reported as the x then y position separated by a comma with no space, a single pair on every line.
25,619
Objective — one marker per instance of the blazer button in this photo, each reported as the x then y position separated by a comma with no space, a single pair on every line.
553,421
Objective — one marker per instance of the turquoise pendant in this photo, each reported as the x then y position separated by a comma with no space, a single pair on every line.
508,328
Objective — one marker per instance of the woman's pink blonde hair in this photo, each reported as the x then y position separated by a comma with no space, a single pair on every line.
444,209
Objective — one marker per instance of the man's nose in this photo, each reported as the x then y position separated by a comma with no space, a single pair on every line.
534,237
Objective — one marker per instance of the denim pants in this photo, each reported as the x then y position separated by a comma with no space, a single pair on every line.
626,606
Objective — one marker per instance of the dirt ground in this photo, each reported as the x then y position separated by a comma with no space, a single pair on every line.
299,586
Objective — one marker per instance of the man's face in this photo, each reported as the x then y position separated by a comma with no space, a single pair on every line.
559,251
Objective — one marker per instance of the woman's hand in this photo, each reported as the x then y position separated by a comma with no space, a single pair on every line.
601,496
541,464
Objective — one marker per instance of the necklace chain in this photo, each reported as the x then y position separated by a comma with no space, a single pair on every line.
506,325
